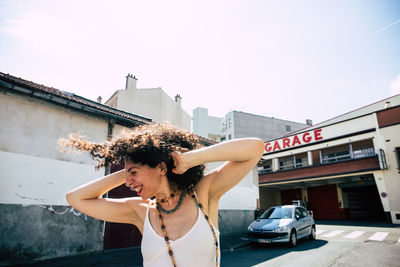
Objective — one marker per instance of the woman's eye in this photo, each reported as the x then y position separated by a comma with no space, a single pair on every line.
133,173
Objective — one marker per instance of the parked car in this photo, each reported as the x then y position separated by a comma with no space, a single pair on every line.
282,224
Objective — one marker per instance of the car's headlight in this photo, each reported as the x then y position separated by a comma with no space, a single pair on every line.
250,229
280,229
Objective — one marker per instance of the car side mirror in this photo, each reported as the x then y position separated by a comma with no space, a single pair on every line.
297,217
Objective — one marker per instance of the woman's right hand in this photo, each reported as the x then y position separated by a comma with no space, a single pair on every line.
181,163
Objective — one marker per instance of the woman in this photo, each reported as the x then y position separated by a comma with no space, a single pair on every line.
163,163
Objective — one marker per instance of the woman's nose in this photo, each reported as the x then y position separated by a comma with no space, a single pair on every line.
128,181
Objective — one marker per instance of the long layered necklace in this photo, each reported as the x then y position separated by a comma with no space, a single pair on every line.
166,238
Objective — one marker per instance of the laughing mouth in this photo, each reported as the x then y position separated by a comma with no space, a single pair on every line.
138,189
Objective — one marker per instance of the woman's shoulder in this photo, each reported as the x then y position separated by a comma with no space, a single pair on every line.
140,206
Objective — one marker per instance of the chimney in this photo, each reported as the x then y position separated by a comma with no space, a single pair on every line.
99,99
387,104
130,82
178,99
309,122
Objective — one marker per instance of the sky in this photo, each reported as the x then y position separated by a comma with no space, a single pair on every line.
288,59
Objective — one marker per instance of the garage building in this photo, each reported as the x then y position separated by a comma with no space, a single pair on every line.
346,168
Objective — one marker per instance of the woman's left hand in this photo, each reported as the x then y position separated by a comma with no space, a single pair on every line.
180,163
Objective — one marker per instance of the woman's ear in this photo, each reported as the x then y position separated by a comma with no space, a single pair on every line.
163,168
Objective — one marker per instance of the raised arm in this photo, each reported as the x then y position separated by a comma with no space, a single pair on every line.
241,156
87,199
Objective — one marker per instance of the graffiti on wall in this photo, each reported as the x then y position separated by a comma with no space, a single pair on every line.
65,210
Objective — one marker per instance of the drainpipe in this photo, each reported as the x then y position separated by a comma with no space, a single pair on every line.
107,170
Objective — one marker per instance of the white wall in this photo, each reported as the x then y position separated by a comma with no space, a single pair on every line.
152,103
388,181
394,101
243,196
30,180
33,127
206,126
33,169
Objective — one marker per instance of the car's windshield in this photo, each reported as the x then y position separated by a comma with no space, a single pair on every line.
277,213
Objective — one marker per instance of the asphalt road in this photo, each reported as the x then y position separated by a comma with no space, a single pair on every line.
336,245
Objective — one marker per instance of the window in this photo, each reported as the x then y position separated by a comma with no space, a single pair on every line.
301,160
363,149
286,163
223,138
335,154
224,124
357,150
397,149
288,128
299,213
295,161
277,213
266,167
230,137
304,212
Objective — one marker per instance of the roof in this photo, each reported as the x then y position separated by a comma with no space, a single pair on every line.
71,100
206,141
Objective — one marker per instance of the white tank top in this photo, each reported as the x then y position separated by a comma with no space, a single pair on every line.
195,248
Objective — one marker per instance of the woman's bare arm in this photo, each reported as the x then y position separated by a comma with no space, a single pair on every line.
87,199
241,156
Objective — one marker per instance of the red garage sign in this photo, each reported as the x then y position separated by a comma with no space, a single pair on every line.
292,141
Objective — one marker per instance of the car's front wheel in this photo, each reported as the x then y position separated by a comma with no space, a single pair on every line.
313,233
292,239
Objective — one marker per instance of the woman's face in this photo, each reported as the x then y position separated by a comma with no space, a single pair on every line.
143,179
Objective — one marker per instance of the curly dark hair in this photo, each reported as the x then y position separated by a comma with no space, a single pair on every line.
147,145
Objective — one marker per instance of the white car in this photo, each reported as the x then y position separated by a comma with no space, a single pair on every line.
282,224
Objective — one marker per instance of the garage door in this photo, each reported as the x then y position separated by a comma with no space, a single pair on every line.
364,203
323,201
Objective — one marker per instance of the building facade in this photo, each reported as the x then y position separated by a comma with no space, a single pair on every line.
345,168
36,221
151,103
237,207
238,124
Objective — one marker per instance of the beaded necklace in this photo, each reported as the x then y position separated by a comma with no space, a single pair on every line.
174,209
166,238
168,198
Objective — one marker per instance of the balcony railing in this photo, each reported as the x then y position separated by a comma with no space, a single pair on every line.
347,155
325,159
264,170
364,153
291,166
331,159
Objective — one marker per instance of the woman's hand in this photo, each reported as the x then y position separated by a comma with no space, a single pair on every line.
181,164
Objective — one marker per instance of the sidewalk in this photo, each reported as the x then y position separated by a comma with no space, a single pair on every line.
129,257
